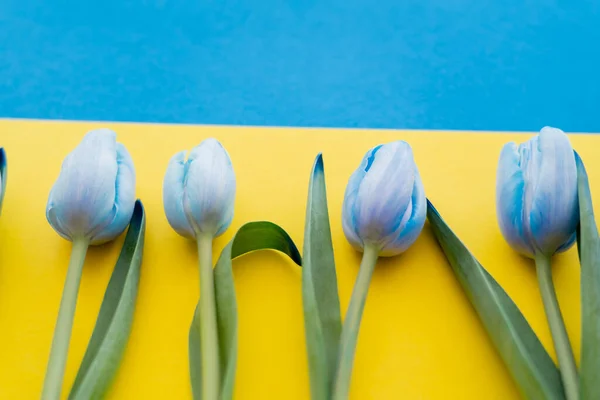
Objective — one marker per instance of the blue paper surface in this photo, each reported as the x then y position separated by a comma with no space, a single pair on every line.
436,64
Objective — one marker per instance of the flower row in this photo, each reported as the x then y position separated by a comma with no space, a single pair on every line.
538,201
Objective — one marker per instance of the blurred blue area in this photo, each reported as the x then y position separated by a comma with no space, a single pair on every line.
437,64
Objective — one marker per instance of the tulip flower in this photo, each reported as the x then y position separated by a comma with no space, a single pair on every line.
385,205
90,203
537,208
198,196
383,213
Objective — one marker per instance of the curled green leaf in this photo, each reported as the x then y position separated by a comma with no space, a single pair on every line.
322,320
261,235
588,244
531,367
113,326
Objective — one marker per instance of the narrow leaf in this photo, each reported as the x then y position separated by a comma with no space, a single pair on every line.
113,326
322,320
531,367
252,236
3,175
588,244
195,359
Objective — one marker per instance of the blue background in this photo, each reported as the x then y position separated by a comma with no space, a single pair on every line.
437,64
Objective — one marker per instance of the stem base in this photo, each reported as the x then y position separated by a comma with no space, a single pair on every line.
351,325
562,346
64,323
209,340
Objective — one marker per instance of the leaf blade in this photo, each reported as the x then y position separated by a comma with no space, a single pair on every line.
3,175
195,361
321,304
588,245
531,367
113,326
253,236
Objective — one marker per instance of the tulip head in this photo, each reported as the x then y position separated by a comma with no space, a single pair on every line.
536,194
385,205
94,195
199,193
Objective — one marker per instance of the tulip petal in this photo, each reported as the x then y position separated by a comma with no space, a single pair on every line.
385,192
173,196
54,221
510,197
348,214
417,213
554,210
83,195
124,197
209,188
568,244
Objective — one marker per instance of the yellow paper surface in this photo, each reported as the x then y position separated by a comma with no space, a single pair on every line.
419,338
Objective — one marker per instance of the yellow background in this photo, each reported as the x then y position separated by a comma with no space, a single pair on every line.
419,338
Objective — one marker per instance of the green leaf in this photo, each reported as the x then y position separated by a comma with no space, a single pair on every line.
531,367
195,359
3,175
113,326
252,236
588,244
322,320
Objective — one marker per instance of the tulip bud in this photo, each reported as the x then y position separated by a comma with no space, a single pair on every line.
385,205
94,195
198,194
536,194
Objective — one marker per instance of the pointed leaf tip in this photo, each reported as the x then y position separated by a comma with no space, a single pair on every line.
322,319
318,166
109,339
138,217
2,157
3,175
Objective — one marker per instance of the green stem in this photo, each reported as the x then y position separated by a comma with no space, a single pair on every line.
209,341
564,353
352,324
64,323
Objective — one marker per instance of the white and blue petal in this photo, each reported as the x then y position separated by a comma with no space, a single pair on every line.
384,204
536,194
83,196
173,196
554,209
415,217
348,214
384,193
209,188
54,220
568,244
510,199
124,201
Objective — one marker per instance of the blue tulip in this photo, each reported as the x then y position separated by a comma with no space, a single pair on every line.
199,193
536,194
385,205
94,195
